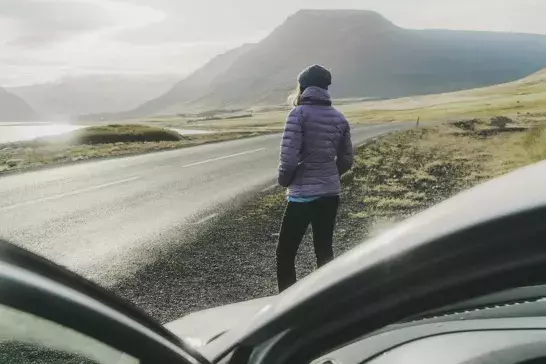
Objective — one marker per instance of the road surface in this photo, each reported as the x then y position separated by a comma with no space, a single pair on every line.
102,218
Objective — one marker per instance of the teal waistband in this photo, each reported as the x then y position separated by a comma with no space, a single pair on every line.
303,199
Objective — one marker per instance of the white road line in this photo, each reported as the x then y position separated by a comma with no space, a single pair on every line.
205,219
269,188
224,157
61,195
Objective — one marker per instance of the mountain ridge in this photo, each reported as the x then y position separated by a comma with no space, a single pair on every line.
14,108
75,95
369,57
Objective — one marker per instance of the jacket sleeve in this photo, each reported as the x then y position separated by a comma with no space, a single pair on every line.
345,153
290,148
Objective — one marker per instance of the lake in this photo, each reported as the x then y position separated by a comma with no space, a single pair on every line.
14,132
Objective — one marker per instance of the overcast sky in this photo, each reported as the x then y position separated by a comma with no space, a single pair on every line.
43,40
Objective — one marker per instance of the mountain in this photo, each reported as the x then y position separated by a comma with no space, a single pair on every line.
13,108
368,55
189,88
72,96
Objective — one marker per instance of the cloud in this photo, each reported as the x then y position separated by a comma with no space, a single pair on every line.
41,22
208,20
96,55
45,39
44,22
41,40
525,16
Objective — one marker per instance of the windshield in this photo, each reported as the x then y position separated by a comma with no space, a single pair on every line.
192,154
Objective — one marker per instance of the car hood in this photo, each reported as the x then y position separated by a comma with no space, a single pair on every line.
200,328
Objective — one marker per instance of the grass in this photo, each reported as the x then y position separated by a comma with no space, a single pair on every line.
406,172
116,133
523,100
102,142
533,145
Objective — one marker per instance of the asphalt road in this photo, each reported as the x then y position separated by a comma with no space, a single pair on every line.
102,219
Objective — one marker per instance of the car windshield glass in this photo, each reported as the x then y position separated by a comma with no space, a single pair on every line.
24,338
187,155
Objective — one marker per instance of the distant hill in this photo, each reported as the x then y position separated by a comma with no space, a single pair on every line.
368,55
13,108
72,96
523,100
191,87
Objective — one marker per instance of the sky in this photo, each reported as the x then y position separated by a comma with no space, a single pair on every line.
46,40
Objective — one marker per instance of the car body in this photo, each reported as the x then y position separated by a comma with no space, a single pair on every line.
468,273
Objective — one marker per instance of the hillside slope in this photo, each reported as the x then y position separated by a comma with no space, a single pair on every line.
193,86
13,108
369,56
523,100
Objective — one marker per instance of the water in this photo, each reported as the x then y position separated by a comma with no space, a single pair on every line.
14,132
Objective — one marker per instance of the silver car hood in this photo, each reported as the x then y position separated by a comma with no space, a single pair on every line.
201,327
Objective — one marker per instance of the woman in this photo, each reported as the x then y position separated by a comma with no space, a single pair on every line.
316,150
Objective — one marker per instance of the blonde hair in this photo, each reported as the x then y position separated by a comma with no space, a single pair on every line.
295,97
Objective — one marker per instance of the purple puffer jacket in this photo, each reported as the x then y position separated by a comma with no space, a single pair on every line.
316,147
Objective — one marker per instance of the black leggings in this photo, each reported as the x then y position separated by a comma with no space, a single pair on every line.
321,213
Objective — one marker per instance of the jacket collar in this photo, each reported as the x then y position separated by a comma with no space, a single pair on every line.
315,96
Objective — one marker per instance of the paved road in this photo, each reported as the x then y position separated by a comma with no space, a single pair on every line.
98,218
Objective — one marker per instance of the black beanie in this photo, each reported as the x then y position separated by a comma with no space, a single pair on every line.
315,76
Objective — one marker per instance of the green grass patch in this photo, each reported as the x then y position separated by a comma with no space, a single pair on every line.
114,133
406,172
